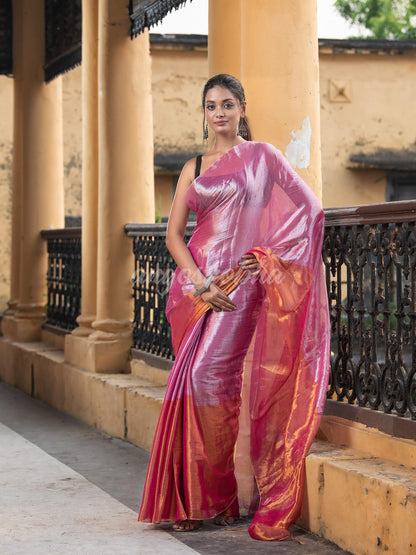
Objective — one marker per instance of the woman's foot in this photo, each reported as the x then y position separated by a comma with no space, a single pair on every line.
225,518
187,525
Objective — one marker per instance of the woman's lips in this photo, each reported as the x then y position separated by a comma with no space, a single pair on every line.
220,122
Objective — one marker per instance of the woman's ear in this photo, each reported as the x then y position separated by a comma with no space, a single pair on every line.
243,110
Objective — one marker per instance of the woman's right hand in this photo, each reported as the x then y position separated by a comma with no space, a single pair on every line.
217,299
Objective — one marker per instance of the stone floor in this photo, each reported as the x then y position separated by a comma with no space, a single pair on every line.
67,488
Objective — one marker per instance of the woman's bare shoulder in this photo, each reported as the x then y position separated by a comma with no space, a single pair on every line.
189,166
188,173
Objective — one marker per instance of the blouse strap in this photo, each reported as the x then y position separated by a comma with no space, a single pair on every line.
198,165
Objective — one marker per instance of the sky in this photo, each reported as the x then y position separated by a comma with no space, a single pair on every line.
193,19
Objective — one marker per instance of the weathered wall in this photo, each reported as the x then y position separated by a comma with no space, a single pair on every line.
72,117
367,102
178,77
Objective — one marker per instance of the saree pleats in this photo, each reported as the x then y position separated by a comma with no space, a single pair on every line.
246,392
196,434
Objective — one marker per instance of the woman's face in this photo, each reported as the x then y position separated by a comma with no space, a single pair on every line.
223,111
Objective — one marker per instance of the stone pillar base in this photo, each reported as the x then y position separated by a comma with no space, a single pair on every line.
100,352
11,307
24,323
85,326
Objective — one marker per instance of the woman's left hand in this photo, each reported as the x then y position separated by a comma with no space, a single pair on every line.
249,262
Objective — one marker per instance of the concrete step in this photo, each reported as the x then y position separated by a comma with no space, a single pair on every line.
364,504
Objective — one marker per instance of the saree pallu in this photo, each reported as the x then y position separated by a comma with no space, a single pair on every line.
247,389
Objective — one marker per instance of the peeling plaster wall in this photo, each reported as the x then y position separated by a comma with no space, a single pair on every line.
178,76
367,103
72,118
6,170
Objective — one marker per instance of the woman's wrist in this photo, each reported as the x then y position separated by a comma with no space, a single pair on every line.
195,276
205,286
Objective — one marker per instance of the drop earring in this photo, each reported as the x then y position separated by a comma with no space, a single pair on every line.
242,129
206,132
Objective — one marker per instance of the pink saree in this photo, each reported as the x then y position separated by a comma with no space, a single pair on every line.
247,390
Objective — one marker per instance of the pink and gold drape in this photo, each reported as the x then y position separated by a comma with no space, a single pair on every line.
247,390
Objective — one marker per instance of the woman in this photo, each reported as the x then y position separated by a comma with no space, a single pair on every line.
249,317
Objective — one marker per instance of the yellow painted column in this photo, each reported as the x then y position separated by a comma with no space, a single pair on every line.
39,166
125,184
17,157
89,166
280,73
224,37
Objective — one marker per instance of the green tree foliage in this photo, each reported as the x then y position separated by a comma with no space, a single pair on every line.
385,19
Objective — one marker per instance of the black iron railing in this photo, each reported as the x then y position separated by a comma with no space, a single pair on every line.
369,254
370,258
154,268
63,277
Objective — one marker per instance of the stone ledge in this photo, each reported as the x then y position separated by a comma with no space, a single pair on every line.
362,503
365,439
142,369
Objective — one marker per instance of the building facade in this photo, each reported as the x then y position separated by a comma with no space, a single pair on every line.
368,141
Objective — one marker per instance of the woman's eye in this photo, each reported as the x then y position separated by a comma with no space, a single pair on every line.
228,105
210,107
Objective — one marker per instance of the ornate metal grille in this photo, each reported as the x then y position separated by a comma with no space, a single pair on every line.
146,13
63,36
63,277
154,268
6,58
370,258
369,254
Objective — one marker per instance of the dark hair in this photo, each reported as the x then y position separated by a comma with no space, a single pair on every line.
236,88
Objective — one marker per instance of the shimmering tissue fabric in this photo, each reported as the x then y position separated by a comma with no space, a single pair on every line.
247,389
